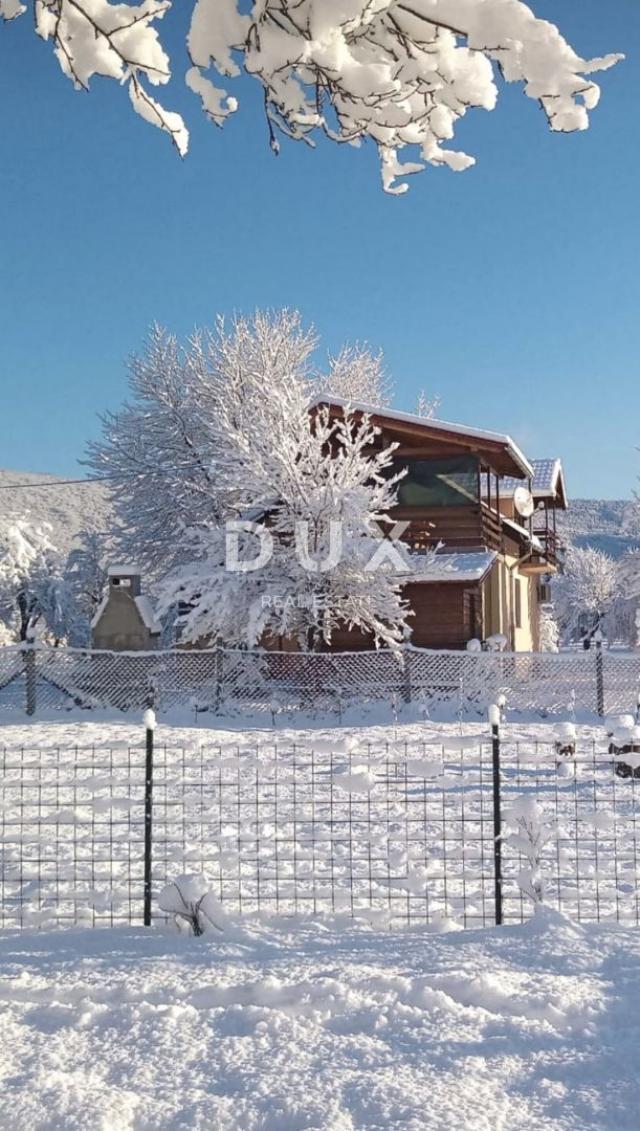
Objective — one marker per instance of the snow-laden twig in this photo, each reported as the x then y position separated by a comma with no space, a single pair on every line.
398,73
530,831
190,901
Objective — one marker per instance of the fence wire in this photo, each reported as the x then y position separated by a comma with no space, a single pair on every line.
399,834
227,681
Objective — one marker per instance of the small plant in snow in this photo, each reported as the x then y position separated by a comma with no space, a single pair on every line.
530,833
194,908
565,740
549,630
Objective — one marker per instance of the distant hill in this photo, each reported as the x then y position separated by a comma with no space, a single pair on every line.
605,524
67,507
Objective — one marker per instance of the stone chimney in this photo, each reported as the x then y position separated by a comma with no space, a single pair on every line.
125,620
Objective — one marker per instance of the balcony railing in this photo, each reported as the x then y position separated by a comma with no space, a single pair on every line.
551,545
474,527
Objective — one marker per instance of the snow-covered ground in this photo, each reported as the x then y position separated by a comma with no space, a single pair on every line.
325,1022
377,727
327,1025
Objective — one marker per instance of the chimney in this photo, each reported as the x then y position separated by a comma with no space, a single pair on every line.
125,578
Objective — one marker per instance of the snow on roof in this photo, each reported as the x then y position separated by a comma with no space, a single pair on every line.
522,532
124,571
546,473
458,566
146,610
99,611
431,422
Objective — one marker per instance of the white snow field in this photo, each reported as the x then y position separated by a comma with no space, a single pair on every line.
328,1025
329,1022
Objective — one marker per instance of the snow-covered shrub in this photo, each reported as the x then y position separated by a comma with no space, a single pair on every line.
565,740
195,909
530,832
549,630
497,643
625,747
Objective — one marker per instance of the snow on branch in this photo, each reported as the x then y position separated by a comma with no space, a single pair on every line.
400,73
530,832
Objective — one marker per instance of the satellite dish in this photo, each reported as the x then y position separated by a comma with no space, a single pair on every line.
524,502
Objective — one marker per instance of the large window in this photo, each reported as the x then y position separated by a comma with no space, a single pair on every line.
439,482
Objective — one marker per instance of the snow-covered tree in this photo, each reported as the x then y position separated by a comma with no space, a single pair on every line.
587,590
85,578
358,377
166,452
224,429
56,616
398,73
427,406
323,489
27,558
158,451
623,621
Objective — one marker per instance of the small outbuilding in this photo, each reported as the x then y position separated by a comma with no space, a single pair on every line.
125,620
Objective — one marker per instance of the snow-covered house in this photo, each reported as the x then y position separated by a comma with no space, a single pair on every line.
495,512
125,620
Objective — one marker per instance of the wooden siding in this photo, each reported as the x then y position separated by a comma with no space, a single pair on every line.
446,616
468,528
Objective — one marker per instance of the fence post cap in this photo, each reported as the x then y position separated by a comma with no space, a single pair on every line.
494,715
149,719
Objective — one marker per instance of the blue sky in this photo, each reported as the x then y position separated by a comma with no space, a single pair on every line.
512,290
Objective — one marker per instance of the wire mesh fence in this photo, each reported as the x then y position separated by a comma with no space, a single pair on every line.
402,834
227,681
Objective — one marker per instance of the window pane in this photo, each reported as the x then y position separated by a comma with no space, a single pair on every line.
439,482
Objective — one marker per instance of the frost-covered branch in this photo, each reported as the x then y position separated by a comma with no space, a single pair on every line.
399,73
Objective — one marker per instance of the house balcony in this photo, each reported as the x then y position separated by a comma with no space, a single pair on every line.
545,557
475,527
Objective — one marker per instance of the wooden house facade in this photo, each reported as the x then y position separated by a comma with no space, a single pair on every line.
494,512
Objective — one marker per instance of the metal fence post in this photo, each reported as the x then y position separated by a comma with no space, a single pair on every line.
150,723
494,719
30,678
219,660
599,678
407,674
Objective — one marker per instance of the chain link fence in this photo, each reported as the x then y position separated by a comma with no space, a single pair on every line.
228,681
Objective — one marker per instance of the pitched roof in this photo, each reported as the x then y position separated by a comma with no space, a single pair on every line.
146,610
547,479
431,424
461,565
